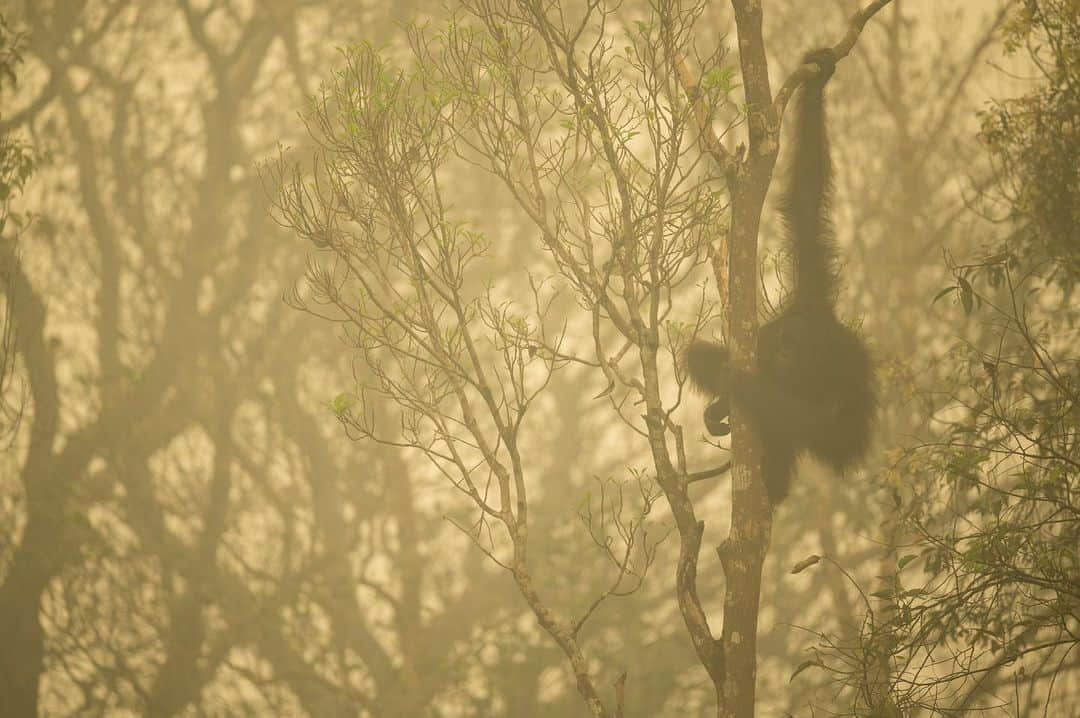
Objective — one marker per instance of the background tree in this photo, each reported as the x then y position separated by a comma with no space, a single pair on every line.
16,166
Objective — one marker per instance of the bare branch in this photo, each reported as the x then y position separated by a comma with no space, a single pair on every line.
840,50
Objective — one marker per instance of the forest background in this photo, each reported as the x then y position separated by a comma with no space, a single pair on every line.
254,468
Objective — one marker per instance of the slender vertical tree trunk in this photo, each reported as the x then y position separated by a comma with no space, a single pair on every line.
23,650
743,552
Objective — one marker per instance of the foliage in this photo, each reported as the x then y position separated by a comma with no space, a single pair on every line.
1035,138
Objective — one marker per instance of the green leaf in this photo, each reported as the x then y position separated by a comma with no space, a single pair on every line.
342,403
967,296
942,293
804,665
